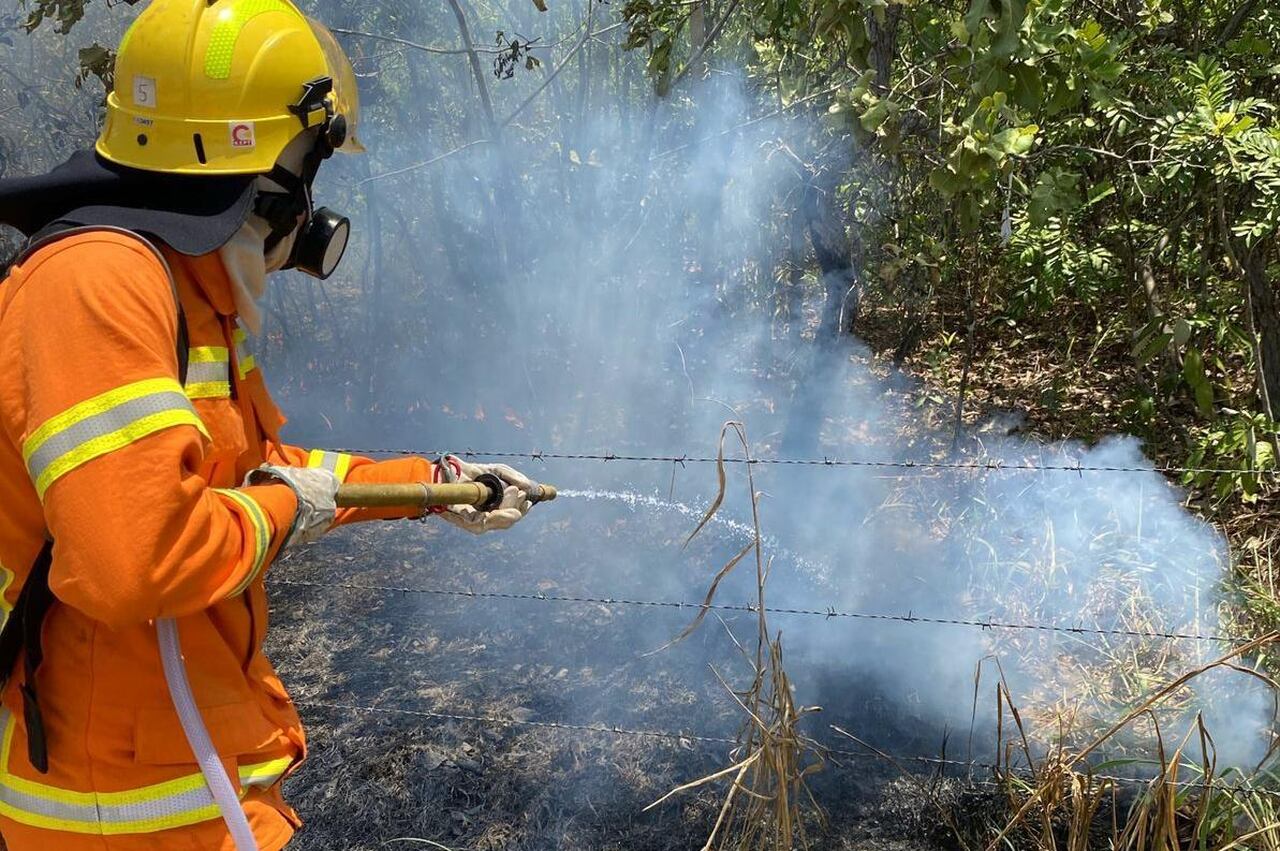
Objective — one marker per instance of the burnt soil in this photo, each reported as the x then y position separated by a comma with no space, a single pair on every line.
358,661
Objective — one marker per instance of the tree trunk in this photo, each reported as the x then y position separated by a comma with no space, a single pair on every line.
1155,311
832,250
698,35
502,200
884,43
477,70
792,301
1265,313
818,378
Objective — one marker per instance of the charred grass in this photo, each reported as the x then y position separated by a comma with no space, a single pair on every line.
381,778
361,659
375,776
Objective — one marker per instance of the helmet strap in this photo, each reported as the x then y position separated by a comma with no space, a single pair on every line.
281,210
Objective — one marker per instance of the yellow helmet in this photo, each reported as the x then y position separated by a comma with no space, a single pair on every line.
223,86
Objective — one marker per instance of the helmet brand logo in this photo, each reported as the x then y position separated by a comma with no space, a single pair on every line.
242,134
144,91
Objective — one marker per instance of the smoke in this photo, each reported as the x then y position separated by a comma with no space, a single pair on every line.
581,290
604,280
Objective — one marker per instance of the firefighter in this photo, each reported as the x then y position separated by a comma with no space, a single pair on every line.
144,488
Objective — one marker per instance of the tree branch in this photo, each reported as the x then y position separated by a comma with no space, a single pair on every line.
476,70
560,67
1237,20
450,51
425,48
711,37
416,166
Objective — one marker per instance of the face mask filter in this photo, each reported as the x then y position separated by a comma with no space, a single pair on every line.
322,236
320,245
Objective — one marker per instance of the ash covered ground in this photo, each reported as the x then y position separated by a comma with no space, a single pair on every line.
1054,549
375,777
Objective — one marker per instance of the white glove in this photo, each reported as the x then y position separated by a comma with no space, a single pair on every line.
317,491
515,496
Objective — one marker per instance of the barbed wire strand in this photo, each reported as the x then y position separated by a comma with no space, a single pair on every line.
690,738
990,465
827,614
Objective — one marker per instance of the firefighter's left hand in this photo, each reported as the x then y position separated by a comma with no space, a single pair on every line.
515,497
316,490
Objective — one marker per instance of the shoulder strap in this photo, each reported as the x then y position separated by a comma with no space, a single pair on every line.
22,629
184,346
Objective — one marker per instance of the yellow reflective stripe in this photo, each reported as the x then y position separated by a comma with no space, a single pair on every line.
161,806
97,405
261,534
6,579
338,463
208,354
208,372
264,774
226,32
209,390
103,424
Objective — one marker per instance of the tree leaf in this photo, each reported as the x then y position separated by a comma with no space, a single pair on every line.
875,116
978,11
1016,141
1181,332
1009,29
1151,342
1194,374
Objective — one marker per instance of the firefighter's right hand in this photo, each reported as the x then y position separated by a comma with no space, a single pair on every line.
316,490
515,496
514,506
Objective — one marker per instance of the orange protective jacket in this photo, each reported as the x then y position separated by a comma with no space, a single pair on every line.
136,479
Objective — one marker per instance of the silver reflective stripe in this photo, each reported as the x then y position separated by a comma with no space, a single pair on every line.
102,424
245,361
338,463
208,373
180,802
90,814
199,373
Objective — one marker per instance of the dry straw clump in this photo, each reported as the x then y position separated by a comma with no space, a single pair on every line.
768,802
1062,800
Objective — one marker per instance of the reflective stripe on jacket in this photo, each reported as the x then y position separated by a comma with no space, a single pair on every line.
137,480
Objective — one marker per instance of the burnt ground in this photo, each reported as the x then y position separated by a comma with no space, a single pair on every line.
361,660
377,776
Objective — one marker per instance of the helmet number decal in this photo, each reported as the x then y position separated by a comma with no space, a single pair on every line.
242,134
144,91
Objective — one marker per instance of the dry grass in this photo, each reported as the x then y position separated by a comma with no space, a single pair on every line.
1057,799
768,801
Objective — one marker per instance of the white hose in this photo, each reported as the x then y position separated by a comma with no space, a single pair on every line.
220,786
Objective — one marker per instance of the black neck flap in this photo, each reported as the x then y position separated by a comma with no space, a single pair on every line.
194,215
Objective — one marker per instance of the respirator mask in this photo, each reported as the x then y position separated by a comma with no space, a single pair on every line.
322,235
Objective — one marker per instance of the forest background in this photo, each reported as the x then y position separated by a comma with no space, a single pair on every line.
1066,212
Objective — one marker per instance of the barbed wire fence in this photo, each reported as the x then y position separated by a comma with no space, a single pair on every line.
829,613
826,613
987,464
